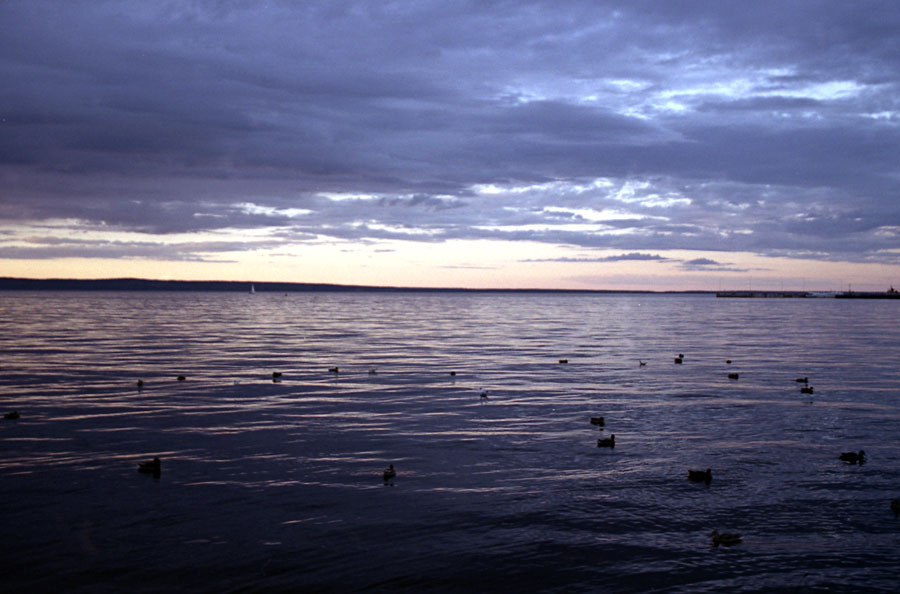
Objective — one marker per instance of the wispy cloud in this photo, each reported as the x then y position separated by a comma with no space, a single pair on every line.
631,126
636,256
42,248
708,265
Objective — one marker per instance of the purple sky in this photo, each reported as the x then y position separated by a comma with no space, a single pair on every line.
690,135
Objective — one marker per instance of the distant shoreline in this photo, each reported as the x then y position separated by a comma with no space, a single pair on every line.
151,285
138,284
891,294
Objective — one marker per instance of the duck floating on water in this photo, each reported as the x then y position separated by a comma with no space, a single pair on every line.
276,374
807,390
802,380
484,394
679,359
152,467
734,375
563,361
609,442
726,539
12,415
895,507
140,384
642,363
854,457
334,370
700,476
599,421
181,378
389,473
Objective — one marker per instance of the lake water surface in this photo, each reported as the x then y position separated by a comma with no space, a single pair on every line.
276,486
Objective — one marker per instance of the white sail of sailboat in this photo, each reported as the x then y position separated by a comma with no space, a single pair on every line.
252,290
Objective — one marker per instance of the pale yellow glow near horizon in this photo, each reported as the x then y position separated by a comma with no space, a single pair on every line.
479,264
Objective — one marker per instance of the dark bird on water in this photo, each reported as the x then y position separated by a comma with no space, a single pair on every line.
152,467
642,363
563,361
334,369
802,380
276,374
599,421
11,415
854,457
389,473
181,378
895,507
807,390
140,384
609,442
733,375
700,476
725,539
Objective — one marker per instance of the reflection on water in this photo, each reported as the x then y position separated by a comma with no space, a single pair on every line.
276,485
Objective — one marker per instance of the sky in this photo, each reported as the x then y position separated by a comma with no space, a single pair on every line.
668,145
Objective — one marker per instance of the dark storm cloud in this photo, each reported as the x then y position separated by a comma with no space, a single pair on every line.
770,128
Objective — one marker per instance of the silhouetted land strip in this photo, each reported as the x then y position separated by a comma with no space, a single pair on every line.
890,294
867,295
138,284
764,294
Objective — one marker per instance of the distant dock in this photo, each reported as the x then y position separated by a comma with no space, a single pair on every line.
868,295
891,294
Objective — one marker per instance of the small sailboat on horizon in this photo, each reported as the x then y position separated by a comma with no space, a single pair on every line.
252,289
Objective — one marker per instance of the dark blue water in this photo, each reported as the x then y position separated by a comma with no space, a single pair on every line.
277,487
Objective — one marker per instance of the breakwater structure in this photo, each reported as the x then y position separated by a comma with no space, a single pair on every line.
891,293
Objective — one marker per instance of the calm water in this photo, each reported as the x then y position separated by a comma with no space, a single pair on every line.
277,487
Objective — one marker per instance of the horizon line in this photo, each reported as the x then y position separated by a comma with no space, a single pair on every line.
138,284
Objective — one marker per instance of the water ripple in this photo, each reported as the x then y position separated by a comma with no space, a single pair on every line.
276,485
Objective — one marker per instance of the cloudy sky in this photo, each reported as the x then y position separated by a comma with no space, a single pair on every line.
607,145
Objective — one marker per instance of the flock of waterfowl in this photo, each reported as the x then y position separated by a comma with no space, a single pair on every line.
705,476
603,442
154,466
698,476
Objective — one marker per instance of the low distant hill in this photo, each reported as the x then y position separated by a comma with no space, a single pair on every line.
139,284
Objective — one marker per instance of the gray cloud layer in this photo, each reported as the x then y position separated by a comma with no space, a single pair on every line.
771,128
